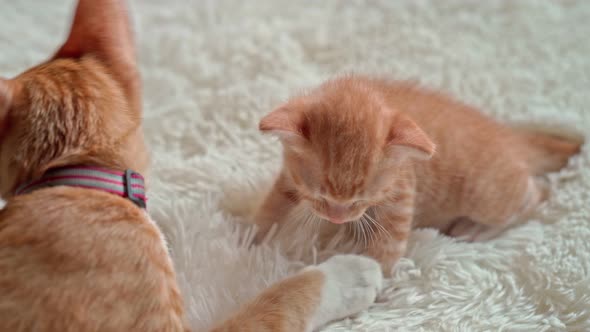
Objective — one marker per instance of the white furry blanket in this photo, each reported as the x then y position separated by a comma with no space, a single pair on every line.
211,69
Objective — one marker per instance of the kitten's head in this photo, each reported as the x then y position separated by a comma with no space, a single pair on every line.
344,147
83,106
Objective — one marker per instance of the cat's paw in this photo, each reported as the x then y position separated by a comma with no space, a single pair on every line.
351,285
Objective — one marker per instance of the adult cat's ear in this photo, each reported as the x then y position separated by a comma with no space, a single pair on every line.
6,92
406,139
102,28
286,123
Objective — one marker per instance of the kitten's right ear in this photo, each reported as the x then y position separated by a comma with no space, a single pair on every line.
285,123
102,28
406,139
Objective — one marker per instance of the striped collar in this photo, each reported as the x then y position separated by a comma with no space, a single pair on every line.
128,184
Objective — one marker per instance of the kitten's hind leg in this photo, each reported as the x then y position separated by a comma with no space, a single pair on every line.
484,227
464,229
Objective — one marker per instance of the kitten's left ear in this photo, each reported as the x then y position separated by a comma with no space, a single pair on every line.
407,139
285,122
102,28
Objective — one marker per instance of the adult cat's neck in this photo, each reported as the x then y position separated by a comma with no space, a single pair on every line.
97,158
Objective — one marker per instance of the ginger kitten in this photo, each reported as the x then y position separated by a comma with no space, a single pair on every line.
389,156
78,252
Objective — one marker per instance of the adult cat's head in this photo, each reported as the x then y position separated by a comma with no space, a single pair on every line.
344,147
81,107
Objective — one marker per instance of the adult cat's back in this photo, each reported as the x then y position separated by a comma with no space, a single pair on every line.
80,254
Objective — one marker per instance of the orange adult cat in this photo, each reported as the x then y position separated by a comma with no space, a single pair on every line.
390,156
84,255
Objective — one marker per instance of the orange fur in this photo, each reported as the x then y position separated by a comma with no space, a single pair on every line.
75,259
391,156
78,259
339,287
300,293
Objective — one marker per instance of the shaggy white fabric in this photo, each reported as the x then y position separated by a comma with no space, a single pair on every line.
211,69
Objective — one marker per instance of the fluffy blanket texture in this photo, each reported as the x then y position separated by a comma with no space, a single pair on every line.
211,69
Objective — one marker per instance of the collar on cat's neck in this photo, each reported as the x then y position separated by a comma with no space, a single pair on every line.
128,184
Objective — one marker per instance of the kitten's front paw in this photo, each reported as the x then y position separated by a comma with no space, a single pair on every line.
351,285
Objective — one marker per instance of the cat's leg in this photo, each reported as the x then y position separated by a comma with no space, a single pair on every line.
390,238
278,204
509,205
337,288
465,229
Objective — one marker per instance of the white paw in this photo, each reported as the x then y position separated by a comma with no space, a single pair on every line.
351,285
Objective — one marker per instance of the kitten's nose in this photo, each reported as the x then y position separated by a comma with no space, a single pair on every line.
337,213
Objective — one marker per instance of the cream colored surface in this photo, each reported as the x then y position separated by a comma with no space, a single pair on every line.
211,69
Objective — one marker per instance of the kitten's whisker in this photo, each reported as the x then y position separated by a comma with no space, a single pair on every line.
300,219
319,222
309,220
354,228
315,224
374,233
378,226
367,230
361,233
298,215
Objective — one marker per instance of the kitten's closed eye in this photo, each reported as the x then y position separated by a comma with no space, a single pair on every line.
336,203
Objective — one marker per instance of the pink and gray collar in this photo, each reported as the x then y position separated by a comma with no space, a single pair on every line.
128,184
